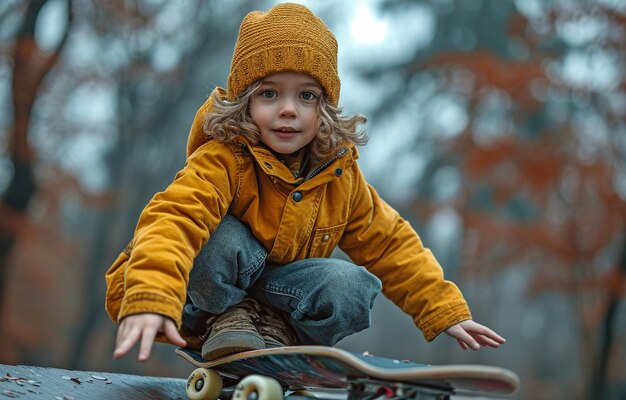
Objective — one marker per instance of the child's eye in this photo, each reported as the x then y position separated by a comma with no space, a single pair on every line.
309,95
268,94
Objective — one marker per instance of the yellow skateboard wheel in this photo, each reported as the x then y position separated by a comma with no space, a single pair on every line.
204,384
263,387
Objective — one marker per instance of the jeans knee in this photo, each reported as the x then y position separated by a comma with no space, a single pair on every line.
353,279
230,235
352,291
352,288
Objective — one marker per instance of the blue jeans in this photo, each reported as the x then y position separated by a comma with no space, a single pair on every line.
325,298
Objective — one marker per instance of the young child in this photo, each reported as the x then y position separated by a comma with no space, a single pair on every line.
270,187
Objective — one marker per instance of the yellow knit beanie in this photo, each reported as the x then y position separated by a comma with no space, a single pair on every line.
289,37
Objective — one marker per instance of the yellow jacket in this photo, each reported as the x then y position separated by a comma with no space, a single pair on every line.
292,218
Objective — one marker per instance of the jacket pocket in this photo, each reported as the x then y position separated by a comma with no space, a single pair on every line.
325,240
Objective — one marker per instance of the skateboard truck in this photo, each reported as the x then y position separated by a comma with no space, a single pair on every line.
360,389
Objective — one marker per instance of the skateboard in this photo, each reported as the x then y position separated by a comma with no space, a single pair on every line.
268,374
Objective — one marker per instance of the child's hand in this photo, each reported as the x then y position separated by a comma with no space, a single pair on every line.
144,327
472,335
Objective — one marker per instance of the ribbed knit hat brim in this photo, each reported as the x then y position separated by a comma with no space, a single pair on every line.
289,37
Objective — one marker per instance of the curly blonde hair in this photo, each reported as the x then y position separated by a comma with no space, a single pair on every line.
232,118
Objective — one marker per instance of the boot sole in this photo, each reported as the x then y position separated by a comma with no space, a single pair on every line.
230,342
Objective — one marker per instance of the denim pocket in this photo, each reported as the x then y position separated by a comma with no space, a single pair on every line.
325,240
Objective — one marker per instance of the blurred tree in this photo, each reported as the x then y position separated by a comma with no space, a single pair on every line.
31,65
518,109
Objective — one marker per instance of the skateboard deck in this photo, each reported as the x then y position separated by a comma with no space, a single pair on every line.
362,375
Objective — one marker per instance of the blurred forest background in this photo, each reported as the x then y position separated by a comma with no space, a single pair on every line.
498,128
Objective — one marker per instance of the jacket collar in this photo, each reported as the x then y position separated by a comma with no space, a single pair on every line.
326,170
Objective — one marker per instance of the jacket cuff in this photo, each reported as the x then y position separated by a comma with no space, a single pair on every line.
151,303
438,323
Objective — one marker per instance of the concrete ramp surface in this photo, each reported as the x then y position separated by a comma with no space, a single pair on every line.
26,382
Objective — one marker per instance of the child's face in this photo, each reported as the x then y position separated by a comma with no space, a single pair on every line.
284,109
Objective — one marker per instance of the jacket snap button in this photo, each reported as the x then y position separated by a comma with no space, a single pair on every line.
325,238
296,196
268,165
338,172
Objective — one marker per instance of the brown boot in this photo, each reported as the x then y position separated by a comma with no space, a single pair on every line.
194,342
233,331
275,328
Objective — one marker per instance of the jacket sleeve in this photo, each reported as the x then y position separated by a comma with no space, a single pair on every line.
378,238
171,231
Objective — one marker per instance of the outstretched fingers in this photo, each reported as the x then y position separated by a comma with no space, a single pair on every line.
484,336
127,336
463,337
143,328
147,339
470,334
488,341
172,334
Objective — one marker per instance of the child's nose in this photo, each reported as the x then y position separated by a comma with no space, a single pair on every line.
288,108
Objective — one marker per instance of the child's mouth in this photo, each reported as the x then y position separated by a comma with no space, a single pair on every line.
285,132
